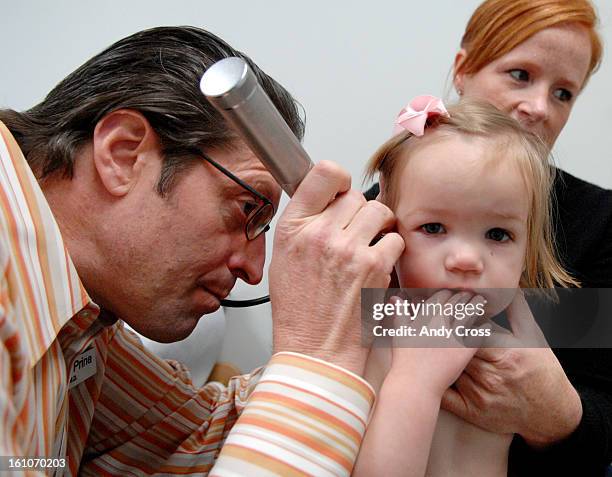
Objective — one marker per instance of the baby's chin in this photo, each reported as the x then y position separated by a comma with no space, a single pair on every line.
498,299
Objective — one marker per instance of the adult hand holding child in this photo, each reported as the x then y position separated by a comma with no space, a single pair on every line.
515,384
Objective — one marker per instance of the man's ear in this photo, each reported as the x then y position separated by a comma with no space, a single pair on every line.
121,140
458,76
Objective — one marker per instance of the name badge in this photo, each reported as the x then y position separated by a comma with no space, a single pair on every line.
84,367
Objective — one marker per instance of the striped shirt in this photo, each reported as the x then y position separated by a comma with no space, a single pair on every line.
76,384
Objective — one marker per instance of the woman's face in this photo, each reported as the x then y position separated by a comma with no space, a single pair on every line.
537,82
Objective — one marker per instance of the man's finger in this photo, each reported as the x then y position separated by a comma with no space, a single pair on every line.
389,248
344,207
373,218
324,181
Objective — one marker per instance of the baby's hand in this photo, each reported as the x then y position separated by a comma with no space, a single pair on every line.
437,366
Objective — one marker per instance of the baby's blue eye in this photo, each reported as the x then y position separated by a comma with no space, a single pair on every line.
519,75
497,234
433,228
563,95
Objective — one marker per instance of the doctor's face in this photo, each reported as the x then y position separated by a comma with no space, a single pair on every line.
177,257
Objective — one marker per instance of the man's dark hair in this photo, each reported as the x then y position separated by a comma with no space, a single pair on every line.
156,72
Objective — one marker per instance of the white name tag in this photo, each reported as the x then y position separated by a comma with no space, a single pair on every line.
84,367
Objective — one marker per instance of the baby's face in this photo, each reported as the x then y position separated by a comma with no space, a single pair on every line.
462,210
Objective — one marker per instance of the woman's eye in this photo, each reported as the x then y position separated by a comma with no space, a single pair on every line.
248,208
497,234
433,228
519,75
563,95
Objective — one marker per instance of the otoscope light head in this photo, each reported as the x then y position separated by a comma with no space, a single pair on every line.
228,82
232,88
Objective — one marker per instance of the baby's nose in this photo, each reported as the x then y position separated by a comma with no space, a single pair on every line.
464,259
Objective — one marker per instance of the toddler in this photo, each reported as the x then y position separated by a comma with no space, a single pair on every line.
470,190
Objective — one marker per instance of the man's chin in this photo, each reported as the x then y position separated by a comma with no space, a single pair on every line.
168,332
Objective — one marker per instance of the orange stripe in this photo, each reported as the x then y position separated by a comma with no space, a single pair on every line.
259,459
70,284
284,430
18,274
277,397
326,421
322,428
323,369
41,243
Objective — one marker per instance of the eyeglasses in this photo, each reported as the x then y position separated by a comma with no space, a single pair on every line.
258,220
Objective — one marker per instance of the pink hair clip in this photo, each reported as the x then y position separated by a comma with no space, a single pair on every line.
414,116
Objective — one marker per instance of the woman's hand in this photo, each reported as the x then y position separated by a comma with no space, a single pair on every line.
515,389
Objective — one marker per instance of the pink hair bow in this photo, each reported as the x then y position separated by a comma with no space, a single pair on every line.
414,116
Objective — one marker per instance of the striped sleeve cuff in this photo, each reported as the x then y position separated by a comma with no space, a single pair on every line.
304,417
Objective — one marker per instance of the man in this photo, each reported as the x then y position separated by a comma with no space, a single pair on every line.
137,203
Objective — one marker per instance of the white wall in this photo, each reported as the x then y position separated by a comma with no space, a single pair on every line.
352,65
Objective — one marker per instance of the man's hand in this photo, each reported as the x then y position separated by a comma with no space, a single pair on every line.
321,259
517,390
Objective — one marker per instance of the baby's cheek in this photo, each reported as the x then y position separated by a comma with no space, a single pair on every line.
497,300
506,269
415,270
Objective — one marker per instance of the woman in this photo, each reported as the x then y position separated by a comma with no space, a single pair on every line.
531,59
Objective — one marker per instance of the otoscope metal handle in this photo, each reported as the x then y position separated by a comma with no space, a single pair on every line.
232,88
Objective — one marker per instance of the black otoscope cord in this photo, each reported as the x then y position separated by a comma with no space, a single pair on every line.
245,303
266,299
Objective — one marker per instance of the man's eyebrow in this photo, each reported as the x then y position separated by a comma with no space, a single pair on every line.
264,187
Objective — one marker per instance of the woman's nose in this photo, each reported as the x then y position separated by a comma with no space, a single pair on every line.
533,106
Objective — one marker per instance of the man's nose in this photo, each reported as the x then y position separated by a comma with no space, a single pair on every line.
464,258
247,259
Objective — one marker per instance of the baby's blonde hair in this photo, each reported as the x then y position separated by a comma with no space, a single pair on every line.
473,118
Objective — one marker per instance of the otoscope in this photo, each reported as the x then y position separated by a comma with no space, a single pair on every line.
232,88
